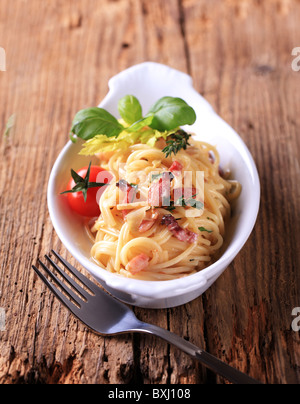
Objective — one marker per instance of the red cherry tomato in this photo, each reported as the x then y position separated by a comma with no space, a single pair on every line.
90,207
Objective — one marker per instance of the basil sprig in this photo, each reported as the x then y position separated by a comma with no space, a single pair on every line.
166,114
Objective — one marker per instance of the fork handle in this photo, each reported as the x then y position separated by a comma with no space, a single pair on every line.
208,360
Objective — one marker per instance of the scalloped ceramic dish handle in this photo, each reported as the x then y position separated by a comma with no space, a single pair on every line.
148,82
155,81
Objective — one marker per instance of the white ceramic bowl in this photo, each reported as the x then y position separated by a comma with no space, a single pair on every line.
149,82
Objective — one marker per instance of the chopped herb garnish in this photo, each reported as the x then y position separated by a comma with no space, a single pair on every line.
204,229
191,202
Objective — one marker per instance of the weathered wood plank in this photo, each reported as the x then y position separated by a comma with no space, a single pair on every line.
242,64
54,69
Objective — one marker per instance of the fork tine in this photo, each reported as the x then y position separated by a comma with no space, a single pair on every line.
86,282
67,290
67,302
71,281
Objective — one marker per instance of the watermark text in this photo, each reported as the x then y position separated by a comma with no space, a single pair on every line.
165,189
296,61
296,321
2,60
2,319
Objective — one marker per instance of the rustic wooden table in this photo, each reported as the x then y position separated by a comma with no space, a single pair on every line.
60,55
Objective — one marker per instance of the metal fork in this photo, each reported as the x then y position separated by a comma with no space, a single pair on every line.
107,316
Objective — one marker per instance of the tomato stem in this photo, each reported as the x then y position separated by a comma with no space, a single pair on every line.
83,184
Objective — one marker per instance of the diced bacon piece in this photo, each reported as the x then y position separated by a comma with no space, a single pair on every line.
176,168
148,222
138,264
177,231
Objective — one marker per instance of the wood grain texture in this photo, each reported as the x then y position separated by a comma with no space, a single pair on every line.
60,56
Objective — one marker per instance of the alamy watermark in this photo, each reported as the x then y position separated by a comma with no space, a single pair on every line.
296,61
2,319
185,189
296,321
2,60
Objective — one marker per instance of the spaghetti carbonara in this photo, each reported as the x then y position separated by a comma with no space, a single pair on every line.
162,217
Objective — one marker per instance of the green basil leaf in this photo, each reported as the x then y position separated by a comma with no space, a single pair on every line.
95,121
130,109
170,113
140,124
